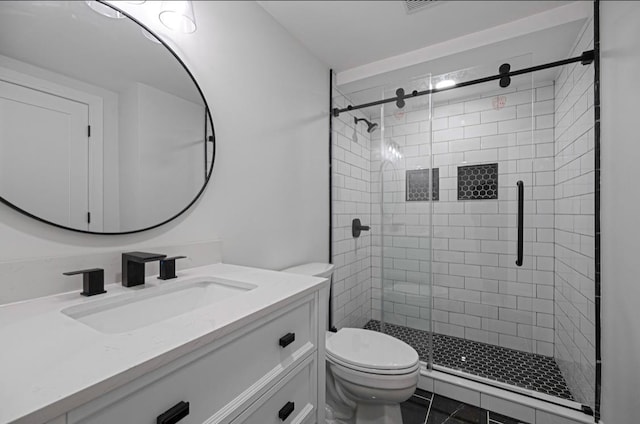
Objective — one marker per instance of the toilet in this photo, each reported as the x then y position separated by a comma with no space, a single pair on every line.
368,373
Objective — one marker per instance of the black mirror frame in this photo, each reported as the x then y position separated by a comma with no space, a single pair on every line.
211,138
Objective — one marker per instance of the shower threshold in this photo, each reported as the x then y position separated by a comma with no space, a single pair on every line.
528,371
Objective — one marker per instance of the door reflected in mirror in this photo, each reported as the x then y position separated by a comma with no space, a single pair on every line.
101,129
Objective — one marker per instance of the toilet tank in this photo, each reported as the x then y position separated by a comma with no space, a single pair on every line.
314,269
322,270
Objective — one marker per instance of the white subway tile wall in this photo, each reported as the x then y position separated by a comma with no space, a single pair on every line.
574,225
478,292
351,191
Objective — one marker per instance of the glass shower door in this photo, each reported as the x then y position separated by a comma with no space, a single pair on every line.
404,186
464,192
493,254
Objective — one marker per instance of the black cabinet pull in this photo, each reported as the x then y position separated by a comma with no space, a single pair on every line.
175,414
520,222
287,339
286,411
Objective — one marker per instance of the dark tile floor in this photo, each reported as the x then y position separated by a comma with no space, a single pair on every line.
521,369
427,408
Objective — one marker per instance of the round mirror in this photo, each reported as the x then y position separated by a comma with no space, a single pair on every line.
102,127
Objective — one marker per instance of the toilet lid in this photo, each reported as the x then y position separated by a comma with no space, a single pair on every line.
371,350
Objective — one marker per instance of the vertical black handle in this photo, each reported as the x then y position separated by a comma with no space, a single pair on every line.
520,222
286,410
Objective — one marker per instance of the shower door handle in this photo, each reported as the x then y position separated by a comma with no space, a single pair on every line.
520,185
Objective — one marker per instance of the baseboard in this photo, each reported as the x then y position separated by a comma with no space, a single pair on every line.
505,402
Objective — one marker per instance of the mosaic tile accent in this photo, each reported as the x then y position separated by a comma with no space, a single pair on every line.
478,182
521,369
418,185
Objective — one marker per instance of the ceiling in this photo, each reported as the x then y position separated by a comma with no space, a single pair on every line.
520,52
373,43
347,34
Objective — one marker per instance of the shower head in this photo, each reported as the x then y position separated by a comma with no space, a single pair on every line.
371,127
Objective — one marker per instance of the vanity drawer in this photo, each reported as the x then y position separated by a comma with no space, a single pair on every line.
292,400
232,375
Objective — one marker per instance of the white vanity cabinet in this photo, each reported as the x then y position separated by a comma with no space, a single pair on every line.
270,370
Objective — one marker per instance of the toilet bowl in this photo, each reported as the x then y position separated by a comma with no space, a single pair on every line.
368,373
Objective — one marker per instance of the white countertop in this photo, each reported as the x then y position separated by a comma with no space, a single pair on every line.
51,363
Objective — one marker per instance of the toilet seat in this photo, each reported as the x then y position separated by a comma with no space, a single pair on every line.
371,352
372,371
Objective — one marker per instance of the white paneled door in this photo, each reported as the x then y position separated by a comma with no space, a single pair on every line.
44,170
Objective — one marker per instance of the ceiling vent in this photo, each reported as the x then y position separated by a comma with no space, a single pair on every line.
417,5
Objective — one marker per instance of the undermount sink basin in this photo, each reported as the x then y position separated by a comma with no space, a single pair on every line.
150,305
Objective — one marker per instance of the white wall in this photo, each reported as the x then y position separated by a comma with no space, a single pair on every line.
620,43
129,157
268,197
162,155
172,152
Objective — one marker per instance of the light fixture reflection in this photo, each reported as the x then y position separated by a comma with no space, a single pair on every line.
392,153
178,16
445,84
107,11
103,9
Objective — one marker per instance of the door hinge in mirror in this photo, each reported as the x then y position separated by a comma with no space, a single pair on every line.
88,217
88,130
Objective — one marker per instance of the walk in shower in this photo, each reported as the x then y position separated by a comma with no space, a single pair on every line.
481,206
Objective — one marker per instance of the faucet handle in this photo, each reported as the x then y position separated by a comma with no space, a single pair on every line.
357,227
168,267
92,281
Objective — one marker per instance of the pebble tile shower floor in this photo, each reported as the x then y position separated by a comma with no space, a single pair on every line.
521,369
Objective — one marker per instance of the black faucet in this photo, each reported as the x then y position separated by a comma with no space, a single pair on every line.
133,266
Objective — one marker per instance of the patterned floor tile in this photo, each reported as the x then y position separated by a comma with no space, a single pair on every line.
521,369
445,410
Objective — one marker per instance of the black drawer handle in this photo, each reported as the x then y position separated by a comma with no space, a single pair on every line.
287,339
286,411
175,414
